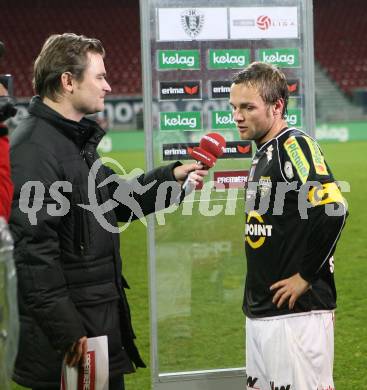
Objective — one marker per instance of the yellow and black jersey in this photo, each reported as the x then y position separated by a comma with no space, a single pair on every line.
294,216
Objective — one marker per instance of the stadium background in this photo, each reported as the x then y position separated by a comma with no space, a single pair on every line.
341,113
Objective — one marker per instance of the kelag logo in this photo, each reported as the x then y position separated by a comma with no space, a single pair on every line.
222,120
188,120
228,59
170,90
284,58
178,59
294,117
181,151
220,89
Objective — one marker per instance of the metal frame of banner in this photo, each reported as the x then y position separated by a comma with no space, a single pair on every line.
216,379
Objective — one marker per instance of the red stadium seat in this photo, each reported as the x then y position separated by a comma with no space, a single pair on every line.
26,24
340,31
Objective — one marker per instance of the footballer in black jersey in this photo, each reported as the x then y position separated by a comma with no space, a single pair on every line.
294,217
288,230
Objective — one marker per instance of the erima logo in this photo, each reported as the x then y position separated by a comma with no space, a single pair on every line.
259,230
225,119
180,121
180,91
244,149
279,58
221,89
175,152
228,59
176,59
191,90
172,91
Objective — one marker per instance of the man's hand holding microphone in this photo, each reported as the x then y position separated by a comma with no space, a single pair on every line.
211,146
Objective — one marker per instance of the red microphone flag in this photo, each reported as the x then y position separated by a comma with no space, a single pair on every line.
212,145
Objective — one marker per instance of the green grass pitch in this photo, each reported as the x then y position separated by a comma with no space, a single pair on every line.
348,162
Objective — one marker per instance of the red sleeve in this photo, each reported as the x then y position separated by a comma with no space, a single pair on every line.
6,185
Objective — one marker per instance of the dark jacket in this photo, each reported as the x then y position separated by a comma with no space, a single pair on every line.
69,266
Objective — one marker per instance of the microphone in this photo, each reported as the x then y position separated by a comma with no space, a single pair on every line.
211,146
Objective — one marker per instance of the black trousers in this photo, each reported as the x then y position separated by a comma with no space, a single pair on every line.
115,384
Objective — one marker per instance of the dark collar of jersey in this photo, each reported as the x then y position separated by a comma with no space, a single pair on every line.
259,146
81,132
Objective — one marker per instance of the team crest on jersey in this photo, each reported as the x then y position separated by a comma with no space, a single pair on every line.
192,21
264,185
269,152
288,170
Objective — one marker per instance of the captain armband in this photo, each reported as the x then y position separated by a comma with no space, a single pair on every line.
327,193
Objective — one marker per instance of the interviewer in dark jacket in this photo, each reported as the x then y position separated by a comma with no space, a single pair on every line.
68,262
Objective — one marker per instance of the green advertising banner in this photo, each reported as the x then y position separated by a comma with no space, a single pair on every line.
342,131
222,120
134,140
284,58
115,141
228,58
186,121
294,117
178,59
